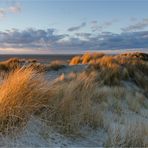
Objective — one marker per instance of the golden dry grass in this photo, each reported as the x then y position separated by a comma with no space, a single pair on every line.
113,70
75,60
94,57
91,57
22,94
86,58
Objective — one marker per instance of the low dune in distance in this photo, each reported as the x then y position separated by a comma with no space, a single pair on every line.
92,100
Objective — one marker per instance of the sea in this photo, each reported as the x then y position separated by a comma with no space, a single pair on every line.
39,58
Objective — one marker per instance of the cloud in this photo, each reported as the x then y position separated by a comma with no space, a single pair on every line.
15,9
124,40
76,28
29,38
41,40
11,9
2,12
108,40
83,35
137,26
96,26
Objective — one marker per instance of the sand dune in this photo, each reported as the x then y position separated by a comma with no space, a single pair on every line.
95,100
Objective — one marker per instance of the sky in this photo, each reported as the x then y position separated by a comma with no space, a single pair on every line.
72,26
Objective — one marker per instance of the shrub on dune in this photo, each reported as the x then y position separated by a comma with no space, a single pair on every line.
32,60
56,65
108,73
10,64
92,61
107,61
135,55
97,55
75,60
86,58
113,70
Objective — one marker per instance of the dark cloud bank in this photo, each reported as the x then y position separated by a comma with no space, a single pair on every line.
137,26
39,39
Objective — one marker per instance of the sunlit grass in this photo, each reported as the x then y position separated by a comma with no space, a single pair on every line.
22,94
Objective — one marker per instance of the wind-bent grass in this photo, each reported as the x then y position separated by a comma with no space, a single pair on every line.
21,95
72,105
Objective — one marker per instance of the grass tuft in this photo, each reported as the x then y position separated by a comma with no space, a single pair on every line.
22,94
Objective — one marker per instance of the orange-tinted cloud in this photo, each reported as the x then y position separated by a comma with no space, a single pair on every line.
11,9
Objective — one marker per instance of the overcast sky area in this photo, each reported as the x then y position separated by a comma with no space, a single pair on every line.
72,26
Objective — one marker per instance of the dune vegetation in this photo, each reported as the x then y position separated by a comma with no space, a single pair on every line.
23,93
110,95
16,63
86,58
